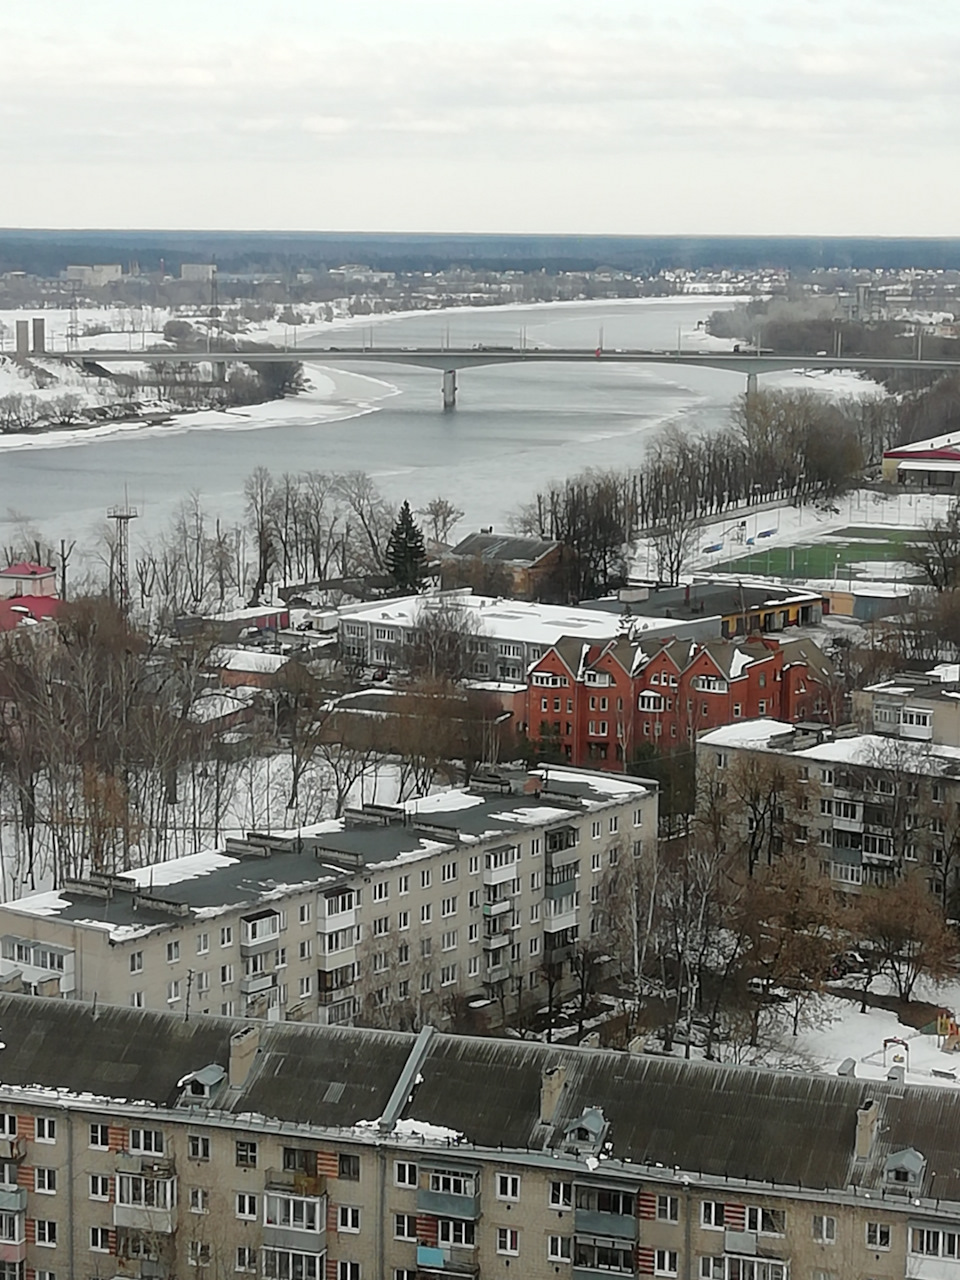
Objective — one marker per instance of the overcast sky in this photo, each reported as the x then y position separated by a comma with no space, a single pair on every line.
623,116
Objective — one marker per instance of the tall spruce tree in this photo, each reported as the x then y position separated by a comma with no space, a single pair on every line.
406,558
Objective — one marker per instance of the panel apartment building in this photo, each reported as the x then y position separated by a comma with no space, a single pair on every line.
865,806
137,1144
388,915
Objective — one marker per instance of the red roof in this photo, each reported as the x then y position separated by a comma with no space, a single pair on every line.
946,453
25,569
14,611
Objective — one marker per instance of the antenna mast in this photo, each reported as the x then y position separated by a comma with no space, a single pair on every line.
120,574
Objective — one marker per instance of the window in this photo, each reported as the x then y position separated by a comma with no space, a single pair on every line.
824,1229
448,907
203,943
596,861
426,947
613,825
306,949
45,1129
226,936
665,1262
473,967
508,1241
99,1187
448,975
136,962
456,1231
380,926
426,913
198,1254
508,1186
712,1213
305,913
403,884
246,1206
297,1212
668,1208
306,985
173,952
561,1195
448,872
45,1181
381,891
247,1155
451,1183
404,1174
46,1232
100,1239
348,1218
403,953
173,991
404,1273
199,1200
936,1244
348,1271
100,1137
246,1258
404,1226
426,878
769,1222
148,1140
403,919
878,1235
449,940
559,1248
348,1168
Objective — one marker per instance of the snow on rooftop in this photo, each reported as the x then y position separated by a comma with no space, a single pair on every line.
603,784
873,749
159,874
542,813
443,802
250,660
748,733
47,903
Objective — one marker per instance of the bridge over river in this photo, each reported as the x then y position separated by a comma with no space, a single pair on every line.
448,361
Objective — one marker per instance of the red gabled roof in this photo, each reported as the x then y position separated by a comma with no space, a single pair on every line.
947,454
25,569
14,611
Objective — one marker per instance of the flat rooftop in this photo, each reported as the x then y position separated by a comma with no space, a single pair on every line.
207,884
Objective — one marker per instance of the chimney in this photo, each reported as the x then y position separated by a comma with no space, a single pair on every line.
866,1128
551,1088
243,1049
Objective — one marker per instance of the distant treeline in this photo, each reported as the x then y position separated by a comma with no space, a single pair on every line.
46,252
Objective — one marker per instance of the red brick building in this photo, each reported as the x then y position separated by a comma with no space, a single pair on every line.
598,704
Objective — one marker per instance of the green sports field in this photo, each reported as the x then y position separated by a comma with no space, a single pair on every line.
830,556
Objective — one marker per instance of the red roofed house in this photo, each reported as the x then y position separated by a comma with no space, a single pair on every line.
596,704
27,579
28,594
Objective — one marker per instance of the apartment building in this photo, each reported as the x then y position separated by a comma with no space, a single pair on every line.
505,636
864,806
598,704
140,1145
449,905
919,708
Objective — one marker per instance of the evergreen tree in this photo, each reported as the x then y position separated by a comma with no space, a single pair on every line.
406,558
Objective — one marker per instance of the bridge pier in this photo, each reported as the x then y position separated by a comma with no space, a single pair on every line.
449,390
751,384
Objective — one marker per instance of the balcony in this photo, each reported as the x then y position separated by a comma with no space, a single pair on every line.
600,1273
328,961
13,1200
557,923
14,1250
342,920
618,1226
12,1148
500,875
300,1239
257,983
920,1268
445,1261
445,1204
138,1217
560,888
494,941
496,973
498,908
296,1182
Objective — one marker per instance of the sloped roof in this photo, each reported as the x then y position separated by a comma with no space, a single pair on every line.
723,1121
524,553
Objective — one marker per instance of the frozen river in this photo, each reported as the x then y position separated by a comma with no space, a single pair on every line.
513,429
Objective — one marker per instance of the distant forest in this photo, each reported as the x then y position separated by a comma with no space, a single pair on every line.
46,252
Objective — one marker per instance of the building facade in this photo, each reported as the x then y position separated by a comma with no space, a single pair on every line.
599,704
864,808
447,907
297,1153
